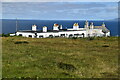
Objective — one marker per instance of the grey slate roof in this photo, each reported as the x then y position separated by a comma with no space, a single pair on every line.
104,29
40,31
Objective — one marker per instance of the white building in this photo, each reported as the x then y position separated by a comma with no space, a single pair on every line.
58,31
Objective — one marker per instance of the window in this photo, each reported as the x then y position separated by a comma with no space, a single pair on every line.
51,36
84,35
62,35
70,35
41,36
30,35
56,36
35,33
20,34
76,34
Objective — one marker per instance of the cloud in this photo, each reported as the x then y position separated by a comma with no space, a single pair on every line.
47,7
59,10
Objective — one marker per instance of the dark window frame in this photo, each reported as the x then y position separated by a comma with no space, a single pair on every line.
40,36
29,35
20,34
51,36
62,34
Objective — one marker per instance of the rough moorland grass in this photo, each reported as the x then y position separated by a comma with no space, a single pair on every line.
60,57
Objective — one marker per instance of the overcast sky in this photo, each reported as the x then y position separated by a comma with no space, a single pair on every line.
60,10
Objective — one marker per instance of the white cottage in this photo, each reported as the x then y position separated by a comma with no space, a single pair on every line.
58,31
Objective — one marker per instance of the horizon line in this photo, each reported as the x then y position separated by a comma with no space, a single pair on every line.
58,19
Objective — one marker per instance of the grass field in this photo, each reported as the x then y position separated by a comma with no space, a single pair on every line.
60,57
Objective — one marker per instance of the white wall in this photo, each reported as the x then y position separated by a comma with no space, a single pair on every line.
12,34
108,34
95,32
44,34
67,33
92,32
55,27
25,34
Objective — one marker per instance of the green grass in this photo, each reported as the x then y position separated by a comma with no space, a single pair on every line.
60,57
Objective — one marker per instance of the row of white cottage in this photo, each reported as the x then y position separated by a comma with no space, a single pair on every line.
58,31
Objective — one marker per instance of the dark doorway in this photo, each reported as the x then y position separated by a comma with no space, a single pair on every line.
83,35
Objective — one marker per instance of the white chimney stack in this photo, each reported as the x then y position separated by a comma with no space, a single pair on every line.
76,26
55,27
103,24
86,24
44,29
34,28
60,26
92,26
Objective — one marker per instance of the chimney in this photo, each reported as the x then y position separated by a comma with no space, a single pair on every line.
75,26
103,24
86,24
60,26
44,29
92,26
34,28
55,27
